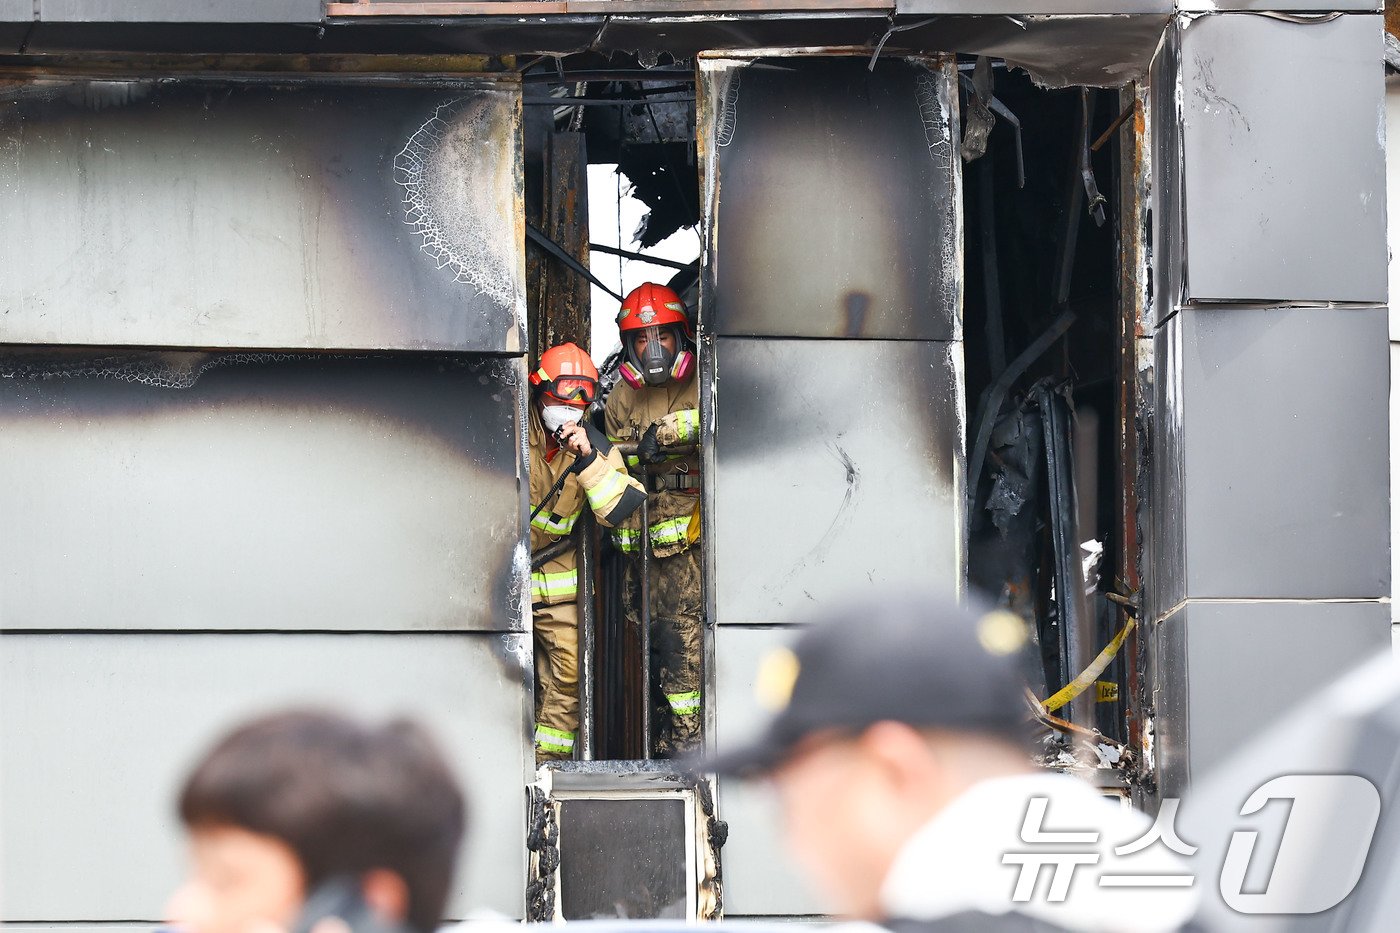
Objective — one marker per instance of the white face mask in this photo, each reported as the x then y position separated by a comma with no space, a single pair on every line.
555,417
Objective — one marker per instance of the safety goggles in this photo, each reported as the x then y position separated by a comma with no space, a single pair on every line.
572,390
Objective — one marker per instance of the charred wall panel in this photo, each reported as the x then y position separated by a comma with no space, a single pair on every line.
99,730
1167,248
266,493
838,464
831,188
835,464
1169,700
206,213
1302,218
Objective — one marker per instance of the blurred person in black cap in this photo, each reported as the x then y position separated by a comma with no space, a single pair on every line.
311,822
899,753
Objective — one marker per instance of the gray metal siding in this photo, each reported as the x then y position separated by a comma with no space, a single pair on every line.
1284,452
832,464
822,164
294,494
99,729
1268,554
1300,216
1248,663
837,465
760,876
316,214
179,11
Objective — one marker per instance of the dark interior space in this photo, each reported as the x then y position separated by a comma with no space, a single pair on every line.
1041,330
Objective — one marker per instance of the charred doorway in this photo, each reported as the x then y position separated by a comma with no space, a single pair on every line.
608,139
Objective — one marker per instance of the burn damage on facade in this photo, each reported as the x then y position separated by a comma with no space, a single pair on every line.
978,297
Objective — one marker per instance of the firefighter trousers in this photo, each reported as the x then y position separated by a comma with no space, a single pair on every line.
676,612
556,680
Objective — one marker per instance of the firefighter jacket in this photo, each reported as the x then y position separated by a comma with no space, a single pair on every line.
606,485
673,486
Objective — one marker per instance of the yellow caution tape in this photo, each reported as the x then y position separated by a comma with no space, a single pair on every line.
1107,691
1091,673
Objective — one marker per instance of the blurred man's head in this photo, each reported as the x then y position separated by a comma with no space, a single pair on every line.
887,709
287,803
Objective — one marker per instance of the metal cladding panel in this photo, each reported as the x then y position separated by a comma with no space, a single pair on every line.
1295,502
326,493
179,11
760,877
1322,744
198,213
1266,6
1258,659
1170,702
1057,51
833,192
1283,132
1031,7
1395,483
754,31
837,464
1165,559
100,729
1167,249
1392,193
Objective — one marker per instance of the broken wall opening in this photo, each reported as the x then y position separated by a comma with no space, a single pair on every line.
1044,232
609,111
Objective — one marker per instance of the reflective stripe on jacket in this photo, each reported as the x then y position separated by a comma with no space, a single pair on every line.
673,407
603,484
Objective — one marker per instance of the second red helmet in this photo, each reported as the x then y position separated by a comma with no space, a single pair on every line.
652,305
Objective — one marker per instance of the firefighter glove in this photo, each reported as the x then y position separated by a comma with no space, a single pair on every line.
649,447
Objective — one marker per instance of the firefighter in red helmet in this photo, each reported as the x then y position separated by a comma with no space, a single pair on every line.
570,463
657,405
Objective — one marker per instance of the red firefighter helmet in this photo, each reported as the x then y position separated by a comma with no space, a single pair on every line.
652,305
568,374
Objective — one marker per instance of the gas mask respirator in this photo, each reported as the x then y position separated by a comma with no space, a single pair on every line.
655,364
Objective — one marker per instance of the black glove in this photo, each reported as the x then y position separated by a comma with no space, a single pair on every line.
649,448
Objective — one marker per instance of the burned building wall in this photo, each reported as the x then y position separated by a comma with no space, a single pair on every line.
261,428
208,213
833,410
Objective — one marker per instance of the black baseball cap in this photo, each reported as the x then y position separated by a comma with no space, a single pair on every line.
920,657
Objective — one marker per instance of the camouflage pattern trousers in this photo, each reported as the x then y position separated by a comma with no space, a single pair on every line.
676,613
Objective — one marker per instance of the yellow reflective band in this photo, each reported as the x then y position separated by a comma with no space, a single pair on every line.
687,425
560,585
672,531
627,539
552,524
607,490
663,534
553,740
684,703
